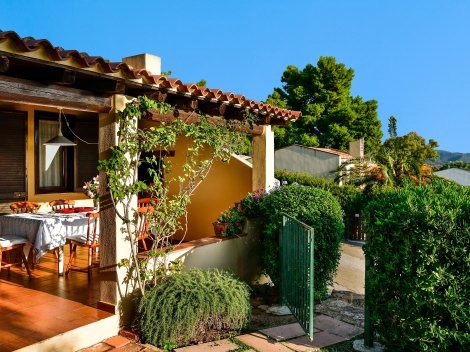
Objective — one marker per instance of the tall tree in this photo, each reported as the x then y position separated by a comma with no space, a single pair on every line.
330,115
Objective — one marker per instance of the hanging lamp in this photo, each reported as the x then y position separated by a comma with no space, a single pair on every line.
60,140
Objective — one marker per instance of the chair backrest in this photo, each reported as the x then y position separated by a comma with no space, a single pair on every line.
24,207
143,221
92,236
145,202
62,204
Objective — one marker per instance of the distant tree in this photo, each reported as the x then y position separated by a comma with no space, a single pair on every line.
166,73
392,127
458,164
202,83
397,159
330,115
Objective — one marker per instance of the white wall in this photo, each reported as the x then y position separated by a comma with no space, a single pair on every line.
238,255
312,162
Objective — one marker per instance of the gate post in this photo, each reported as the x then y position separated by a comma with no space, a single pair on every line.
368,328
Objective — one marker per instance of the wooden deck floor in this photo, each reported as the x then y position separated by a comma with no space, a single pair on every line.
47,305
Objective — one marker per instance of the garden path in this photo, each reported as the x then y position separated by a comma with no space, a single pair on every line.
285,338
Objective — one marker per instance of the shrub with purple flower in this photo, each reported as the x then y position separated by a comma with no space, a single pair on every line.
251,205
92,188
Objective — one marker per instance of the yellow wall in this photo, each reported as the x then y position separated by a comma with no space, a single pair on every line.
83,200
226,184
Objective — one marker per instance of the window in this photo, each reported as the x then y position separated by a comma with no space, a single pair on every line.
12,155
145,168
64,169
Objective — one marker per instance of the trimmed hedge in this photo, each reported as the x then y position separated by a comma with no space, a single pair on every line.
315,207
349,197
418,243
188,306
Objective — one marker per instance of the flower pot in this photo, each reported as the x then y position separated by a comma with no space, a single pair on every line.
220,228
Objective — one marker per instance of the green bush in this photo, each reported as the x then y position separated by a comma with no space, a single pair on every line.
315,207
418,242
351,199
251,204
188,305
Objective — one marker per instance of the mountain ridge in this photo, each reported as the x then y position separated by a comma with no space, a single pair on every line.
446,157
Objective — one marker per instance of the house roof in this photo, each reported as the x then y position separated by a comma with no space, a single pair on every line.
460,176
73,58
337,152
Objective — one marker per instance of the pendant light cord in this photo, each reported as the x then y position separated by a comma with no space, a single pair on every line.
70,129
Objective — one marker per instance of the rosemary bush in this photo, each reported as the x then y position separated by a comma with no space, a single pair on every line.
188,305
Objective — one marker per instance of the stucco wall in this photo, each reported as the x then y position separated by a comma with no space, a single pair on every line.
312,162
238,255
226,184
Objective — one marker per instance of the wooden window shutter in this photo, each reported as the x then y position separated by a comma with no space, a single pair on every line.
13,155
87,154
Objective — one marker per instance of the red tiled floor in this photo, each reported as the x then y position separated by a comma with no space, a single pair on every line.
47,305
117,341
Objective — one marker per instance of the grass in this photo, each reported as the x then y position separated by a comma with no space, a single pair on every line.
242,346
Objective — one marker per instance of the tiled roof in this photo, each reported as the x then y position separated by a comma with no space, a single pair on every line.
58,54
330,151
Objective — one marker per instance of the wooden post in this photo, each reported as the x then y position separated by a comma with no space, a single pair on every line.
263,159
368,326
113,244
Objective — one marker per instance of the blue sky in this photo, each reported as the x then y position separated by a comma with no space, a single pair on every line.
411,56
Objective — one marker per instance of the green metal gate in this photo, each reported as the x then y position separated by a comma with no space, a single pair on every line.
297,291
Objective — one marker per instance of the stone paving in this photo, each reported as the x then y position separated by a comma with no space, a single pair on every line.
286,338
341,310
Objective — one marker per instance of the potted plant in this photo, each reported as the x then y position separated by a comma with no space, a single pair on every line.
229,223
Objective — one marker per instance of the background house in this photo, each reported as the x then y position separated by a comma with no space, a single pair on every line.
460,176
319,162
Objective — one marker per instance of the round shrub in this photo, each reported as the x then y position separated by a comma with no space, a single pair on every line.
418,245
318,209
351,198
188,306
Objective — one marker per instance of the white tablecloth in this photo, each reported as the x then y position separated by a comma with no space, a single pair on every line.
45,231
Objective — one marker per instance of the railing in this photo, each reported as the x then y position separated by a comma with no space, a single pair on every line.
297,271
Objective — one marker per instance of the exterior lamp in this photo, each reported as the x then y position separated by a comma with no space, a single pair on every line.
60,140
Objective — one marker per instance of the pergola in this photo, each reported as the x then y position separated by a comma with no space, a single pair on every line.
36,72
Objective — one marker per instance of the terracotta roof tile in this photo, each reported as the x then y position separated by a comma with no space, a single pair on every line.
29,44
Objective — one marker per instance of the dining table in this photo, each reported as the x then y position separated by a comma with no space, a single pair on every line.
46,231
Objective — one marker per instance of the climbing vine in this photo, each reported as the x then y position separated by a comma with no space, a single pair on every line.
138,146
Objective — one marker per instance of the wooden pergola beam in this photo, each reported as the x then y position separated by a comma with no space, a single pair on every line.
24,91
192,116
